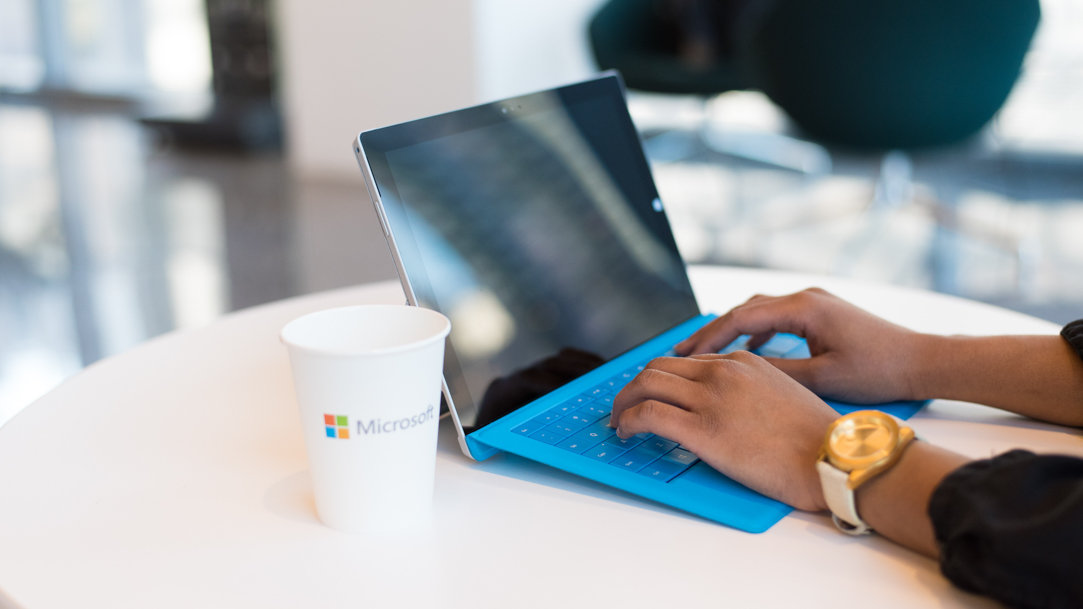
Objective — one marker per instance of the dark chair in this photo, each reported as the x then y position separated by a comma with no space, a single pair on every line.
896,78
889,74
892,78
689,47
648,45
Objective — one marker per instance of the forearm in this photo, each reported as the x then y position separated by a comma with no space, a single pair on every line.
1036,376
895,504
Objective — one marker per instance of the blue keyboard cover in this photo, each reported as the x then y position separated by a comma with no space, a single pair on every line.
581,424
574,435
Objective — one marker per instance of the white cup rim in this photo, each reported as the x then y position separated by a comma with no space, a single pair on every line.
441,327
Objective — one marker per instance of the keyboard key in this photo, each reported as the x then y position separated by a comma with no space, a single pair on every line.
609,386
581,400
534,424
598,409
680,455
740,344
599,428
606,451
799,352
780,345
666,468
663,471
632,442
635,459
657,446
549,436
578,420
565,408
549,416
586,439
563,428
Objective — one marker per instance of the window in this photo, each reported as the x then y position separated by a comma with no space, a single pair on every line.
116,48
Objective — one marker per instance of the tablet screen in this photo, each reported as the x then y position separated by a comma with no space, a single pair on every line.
535,226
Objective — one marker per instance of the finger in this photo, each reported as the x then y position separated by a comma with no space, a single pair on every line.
806,371
653,416
692,367
727,327
651,383
681,382
710,338
674,380
757,317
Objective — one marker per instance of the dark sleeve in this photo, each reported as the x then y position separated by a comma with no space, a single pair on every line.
1011,528
1073,333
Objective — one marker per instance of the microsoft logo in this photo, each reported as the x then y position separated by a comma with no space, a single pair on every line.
338,426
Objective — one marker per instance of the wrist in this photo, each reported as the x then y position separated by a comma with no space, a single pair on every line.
895,504
857,448
926,371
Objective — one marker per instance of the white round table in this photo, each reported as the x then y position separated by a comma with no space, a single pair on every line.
174,475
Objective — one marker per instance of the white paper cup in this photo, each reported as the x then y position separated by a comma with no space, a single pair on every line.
368,386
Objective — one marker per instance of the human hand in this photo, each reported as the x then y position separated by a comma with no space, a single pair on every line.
855,356
739,414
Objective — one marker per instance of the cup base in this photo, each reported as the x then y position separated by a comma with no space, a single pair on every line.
401,524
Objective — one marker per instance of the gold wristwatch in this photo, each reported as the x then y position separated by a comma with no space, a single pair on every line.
858,447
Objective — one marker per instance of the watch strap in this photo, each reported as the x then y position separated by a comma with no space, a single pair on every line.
840,499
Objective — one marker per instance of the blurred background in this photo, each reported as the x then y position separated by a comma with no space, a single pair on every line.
164,162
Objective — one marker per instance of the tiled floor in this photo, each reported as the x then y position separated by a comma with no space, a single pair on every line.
109,236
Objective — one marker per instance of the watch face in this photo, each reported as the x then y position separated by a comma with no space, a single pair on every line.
861,440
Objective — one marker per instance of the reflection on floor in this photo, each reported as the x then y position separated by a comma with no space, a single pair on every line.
109,235
988,219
